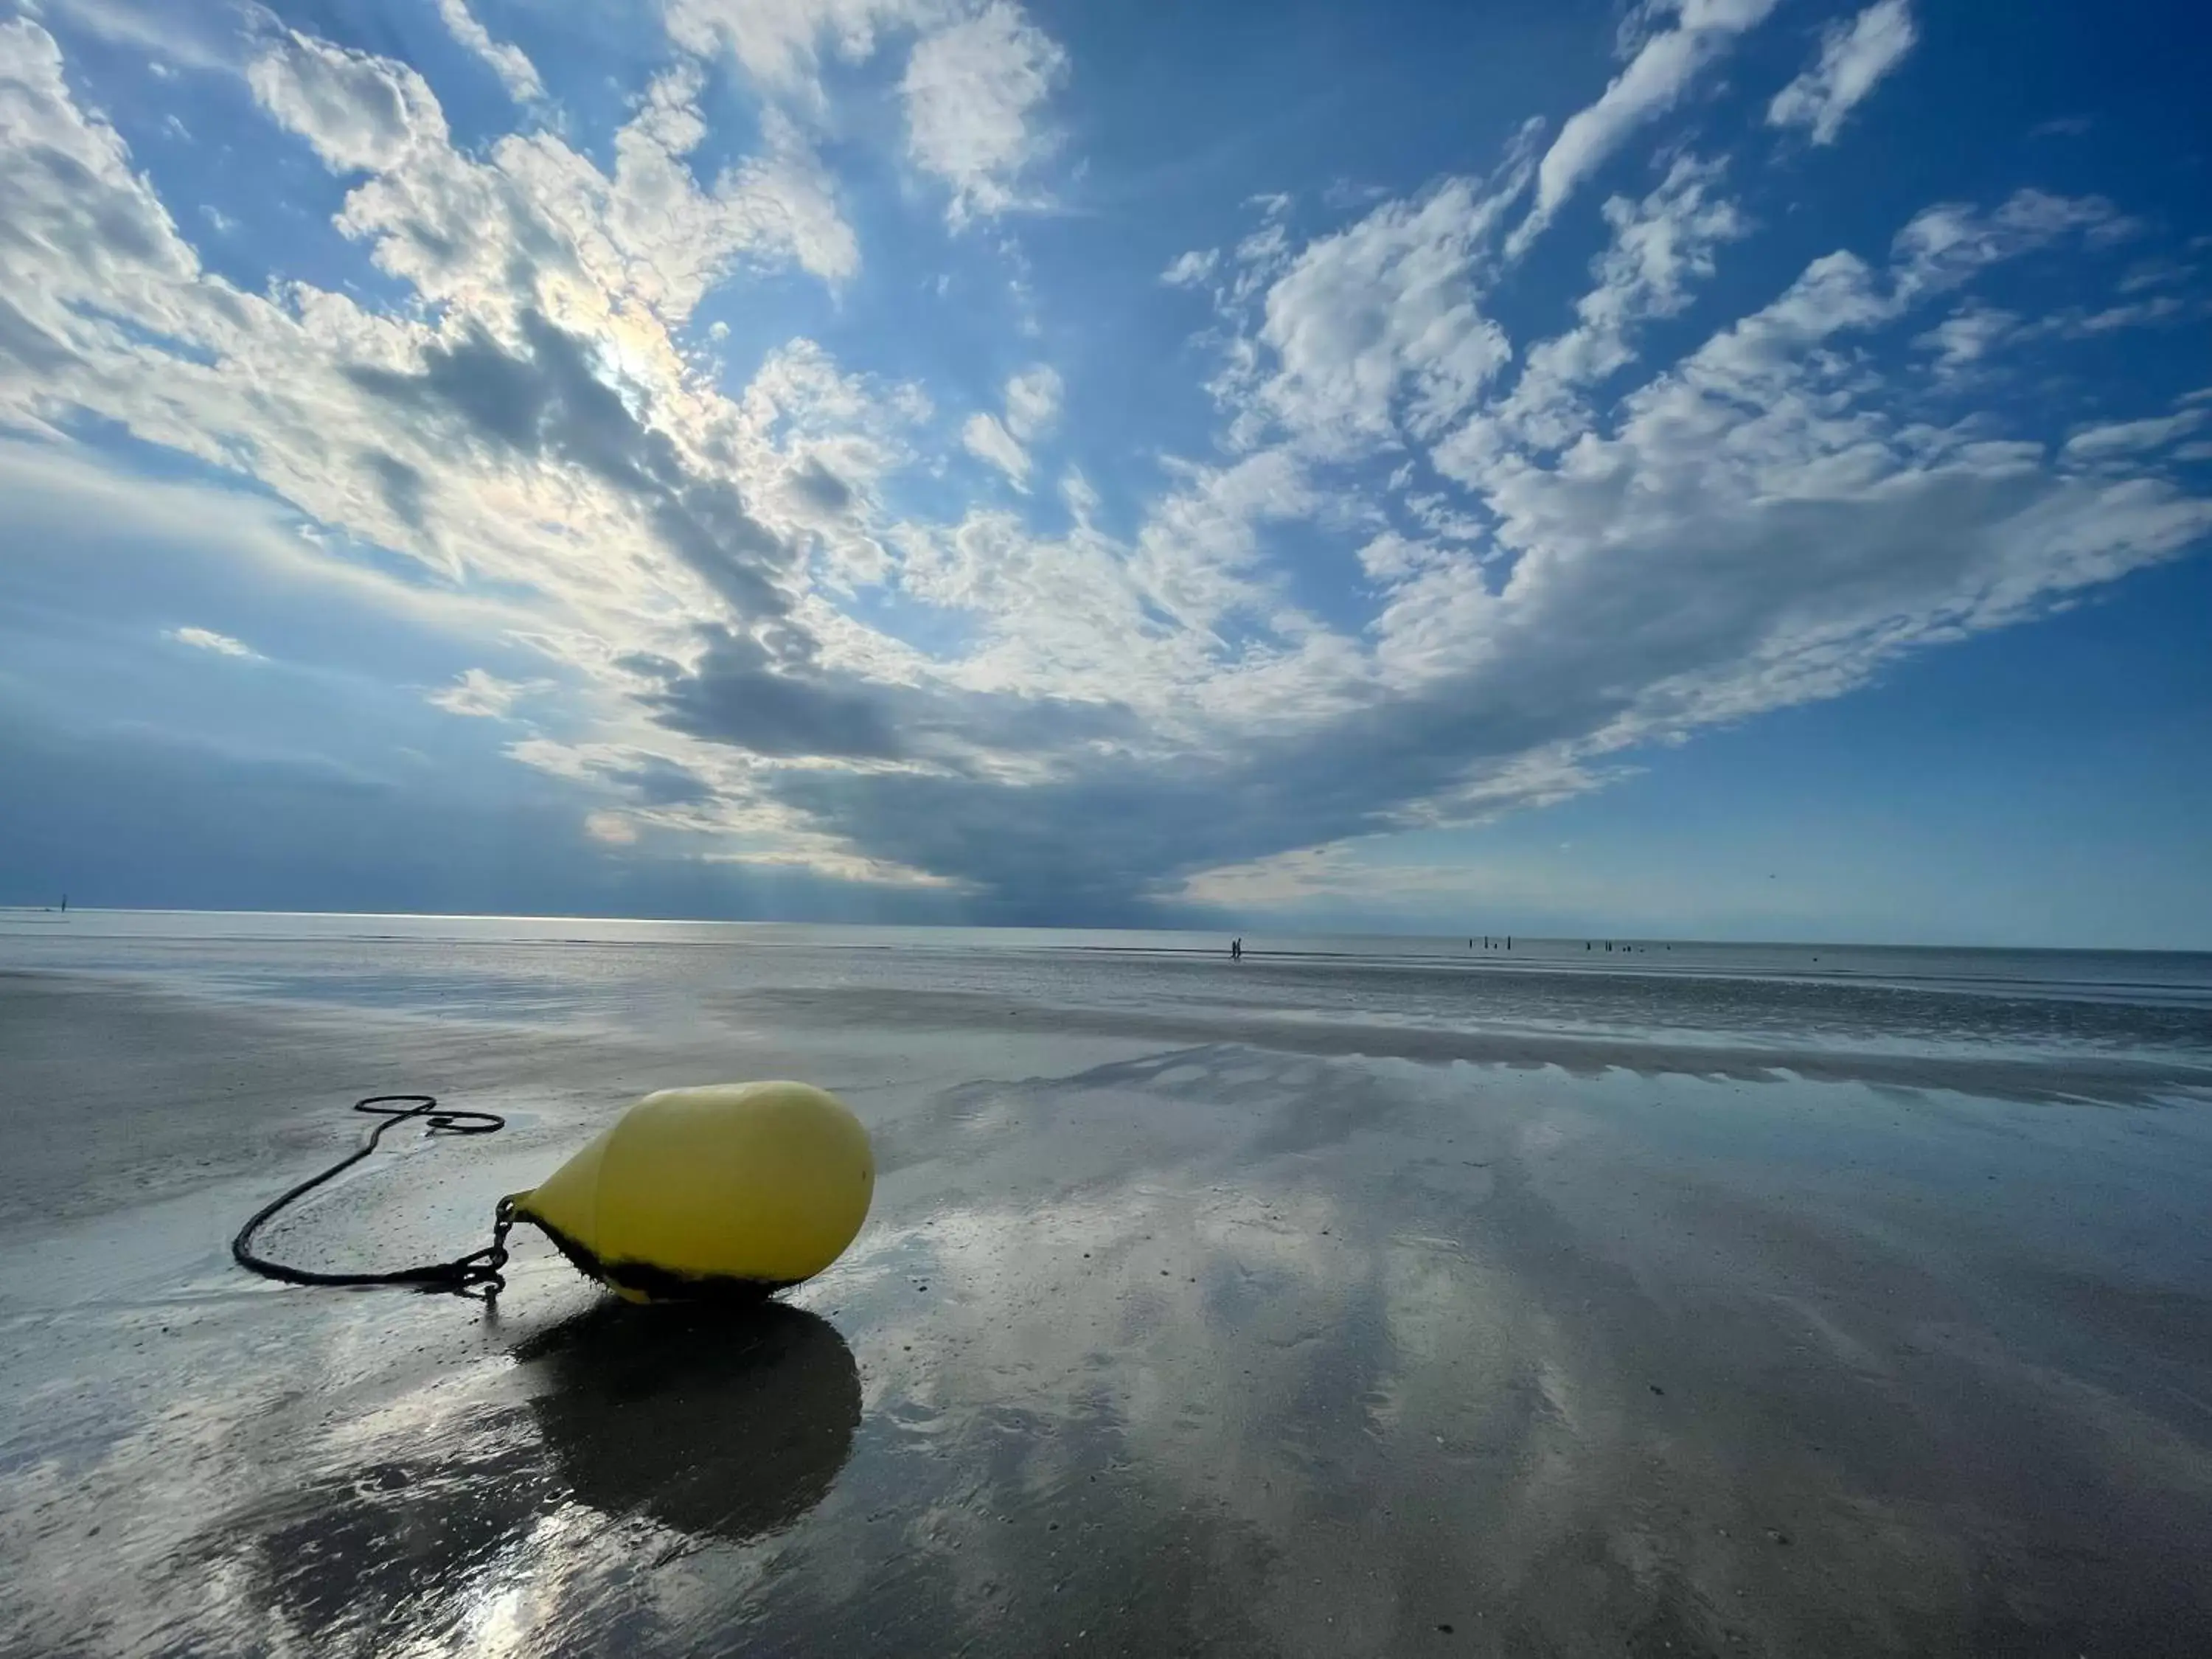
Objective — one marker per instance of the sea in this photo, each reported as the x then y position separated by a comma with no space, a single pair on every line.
610,973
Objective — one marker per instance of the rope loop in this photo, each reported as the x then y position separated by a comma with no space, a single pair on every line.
476,1274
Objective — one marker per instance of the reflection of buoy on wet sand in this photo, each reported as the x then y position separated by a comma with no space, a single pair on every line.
716,1427
732,1190
724,1425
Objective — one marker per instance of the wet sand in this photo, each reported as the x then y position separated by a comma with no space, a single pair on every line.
1171,1332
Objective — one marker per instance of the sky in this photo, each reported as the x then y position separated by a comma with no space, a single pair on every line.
1699,468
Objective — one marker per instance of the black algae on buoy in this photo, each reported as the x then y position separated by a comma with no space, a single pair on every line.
732,1192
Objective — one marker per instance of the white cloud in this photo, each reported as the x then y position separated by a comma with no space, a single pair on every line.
1379,325
2161,309
1190,270
1660,245
1367,876
1033,402
1082,498
206,639
1854,57
777,204
610,829
1654,81
112,316
1666,534
458,228
480,695
86,228
1945,245
1391,557
193,36
1199,556
2148,274
780,43
1333,870
1976,331
361,114
1967,336
988,440
973,92
2123,438
506,60
1032,411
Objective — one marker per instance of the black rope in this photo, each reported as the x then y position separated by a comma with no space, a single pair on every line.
463,1276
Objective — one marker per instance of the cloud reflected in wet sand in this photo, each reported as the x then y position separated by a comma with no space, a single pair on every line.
697,1425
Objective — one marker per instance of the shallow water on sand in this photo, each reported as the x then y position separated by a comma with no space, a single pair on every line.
619,975
1373,1305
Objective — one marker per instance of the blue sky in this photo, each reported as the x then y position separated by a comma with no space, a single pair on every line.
1734,468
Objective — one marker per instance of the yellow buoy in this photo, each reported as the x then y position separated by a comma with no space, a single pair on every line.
733,1189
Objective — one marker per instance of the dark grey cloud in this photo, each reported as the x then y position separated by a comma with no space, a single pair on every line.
1112,830
26,342
820,488
546,402
741,694
403,488
766,694
1117,832
135,818
114,224
657,781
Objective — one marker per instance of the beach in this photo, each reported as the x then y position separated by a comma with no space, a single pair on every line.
1370,1299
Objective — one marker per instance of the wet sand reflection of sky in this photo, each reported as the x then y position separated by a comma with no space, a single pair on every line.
676,1428
1216,1348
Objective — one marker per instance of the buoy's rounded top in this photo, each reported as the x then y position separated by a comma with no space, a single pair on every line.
735,1189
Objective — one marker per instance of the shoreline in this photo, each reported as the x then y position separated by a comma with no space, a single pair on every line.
2053,1075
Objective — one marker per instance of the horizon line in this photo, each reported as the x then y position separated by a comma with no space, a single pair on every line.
13,910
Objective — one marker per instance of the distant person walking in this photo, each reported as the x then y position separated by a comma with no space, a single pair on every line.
1236,950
